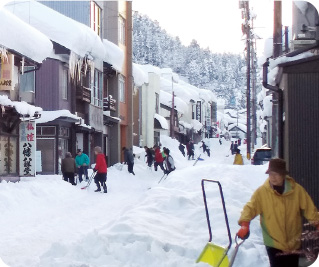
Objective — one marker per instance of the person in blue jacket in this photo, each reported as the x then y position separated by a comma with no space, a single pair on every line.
82,162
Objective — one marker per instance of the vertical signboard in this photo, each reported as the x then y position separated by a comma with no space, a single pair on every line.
199,111
27,148
6,72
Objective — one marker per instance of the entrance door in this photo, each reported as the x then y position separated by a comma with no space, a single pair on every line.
47,148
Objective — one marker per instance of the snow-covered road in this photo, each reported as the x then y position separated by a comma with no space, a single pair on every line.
47,222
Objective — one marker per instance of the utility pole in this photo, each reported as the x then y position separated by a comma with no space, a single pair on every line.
248,44
277,45
277,51
253,84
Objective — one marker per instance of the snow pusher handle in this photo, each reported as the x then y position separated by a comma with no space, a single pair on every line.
224,208
235,251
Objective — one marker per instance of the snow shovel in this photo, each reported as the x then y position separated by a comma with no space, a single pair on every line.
213,254
90,180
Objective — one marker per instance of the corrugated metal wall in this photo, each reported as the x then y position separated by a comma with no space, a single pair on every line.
77,10
303,131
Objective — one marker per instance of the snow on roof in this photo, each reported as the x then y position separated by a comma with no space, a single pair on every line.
267,106
162,121
139,75
47,116
150,68
197,125
114,55
166,99
168,73
185,124
180,90
273,64
240,126
59,28
22,107
207,95
19,36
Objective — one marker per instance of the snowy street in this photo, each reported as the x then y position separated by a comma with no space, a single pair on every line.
47,222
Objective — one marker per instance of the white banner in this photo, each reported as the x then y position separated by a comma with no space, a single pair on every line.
27,148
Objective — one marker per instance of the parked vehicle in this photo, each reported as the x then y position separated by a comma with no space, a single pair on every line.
261,156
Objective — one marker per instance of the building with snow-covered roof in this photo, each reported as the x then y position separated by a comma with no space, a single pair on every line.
22,51
88,74
149,123
189,114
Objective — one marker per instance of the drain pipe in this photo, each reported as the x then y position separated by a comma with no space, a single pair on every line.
279,115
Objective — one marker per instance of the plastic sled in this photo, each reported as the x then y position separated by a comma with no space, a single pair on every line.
213,254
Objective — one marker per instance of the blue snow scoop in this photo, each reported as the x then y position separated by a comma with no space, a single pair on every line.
213,254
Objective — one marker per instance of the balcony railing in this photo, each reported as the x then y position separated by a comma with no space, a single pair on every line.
83,93
109,103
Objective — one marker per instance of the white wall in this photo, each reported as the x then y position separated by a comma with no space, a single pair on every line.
148,108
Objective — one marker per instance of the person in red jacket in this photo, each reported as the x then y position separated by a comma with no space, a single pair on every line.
100,169
158,158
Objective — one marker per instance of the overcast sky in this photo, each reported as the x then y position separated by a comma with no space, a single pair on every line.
214,24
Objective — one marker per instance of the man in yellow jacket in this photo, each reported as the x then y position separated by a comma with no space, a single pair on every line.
281,204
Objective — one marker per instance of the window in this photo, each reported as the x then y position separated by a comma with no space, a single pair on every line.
64,132
64,84
27,80
46,130
122,30
97,92
193,112
96,18
157,103
122,88
85,79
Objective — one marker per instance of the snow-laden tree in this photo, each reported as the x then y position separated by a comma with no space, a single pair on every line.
223,73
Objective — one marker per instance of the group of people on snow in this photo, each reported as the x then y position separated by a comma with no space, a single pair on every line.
281,202
159,158
71,167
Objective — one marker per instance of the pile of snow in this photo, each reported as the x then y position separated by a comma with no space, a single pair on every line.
140,76
114,55
22,107
59,28
47,116
166,99
139,222
19,36
161,120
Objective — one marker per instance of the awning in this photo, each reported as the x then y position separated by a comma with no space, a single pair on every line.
65,115
110,121
160,122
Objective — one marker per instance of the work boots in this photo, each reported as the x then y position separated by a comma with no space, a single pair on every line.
105,188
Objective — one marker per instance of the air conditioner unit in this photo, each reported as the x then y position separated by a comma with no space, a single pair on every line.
308,37
302,43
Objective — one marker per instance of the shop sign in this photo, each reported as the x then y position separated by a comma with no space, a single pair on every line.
27,148
199,111
6,72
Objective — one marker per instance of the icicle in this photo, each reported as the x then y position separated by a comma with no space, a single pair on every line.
3,53
75,65
22,66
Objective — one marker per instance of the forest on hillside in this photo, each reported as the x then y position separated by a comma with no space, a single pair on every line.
223,73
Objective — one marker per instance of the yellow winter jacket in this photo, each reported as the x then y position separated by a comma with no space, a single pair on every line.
238,160
281,215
